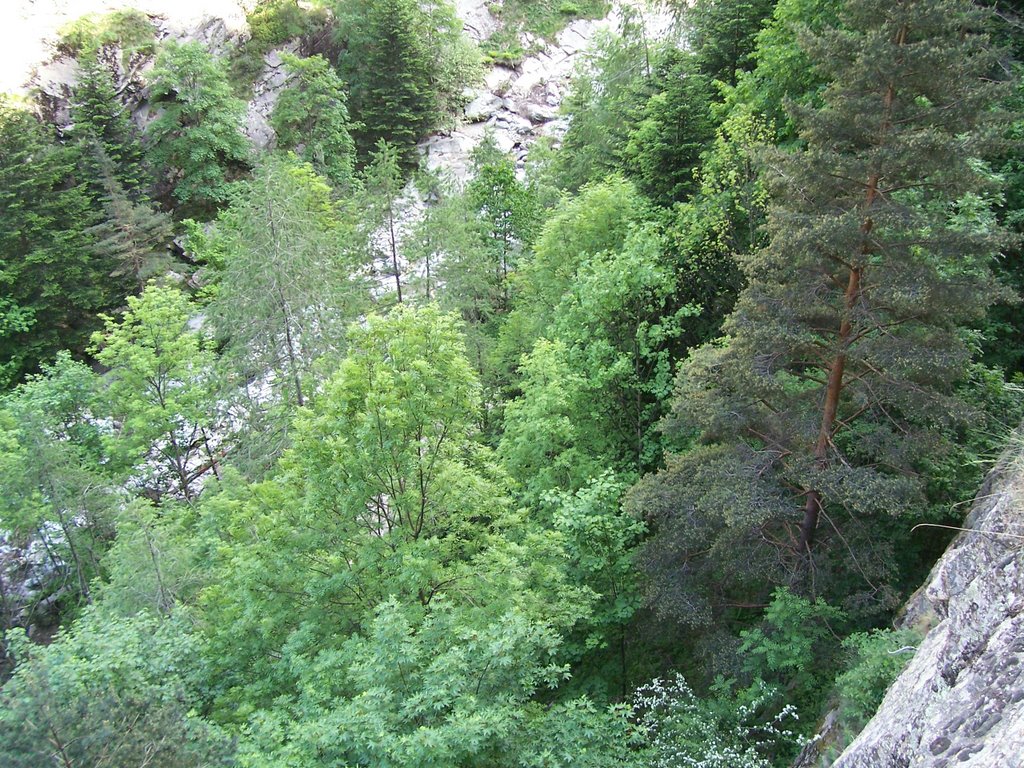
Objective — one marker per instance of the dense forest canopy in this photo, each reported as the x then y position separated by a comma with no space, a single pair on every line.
314,455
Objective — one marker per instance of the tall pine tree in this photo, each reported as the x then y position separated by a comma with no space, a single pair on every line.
834,394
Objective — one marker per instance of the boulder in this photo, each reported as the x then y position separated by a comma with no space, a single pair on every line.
538,113
482,107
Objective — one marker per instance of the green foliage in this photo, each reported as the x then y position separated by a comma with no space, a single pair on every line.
1002,344
543,19
132,234
836,363
50,481
367,582
151,567
600,541
611,83
469,245
394,429
733,729
282,285
129,29
672,130
109,693
477,277
723,35
599,284
415,689
446,248
273,22
405,65
385,566
102,125
311,114
795,647
578,734
595,221
876,659
383,186
195,140
784,72
159,392
541,445
53,281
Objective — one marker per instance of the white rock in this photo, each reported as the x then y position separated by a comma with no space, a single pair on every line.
499,78
265,93
482,107
477,21
506,141
554,95
29,28
960,701
538,113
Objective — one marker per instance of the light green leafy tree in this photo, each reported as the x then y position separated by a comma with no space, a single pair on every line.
599,284
51,486
159,392
311,116
109,693
414,612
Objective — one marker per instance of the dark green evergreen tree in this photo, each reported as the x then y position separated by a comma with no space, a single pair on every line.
724,34
132,233
53,282
833,398
675,126
99,117
389,70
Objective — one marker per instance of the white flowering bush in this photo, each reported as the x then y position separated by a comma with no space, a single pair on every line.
728,730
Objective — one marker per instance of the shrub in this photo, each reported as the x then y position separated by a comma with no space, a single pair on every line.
876,659
130,29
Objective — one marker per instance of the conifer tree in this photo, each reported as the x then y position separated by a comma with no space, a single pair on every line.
52,281
835,387
100,118
389,70
283,284
132,234
383,184
724,34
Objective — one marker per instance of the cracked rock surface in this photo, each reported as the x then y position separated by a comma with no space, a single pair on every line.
960,701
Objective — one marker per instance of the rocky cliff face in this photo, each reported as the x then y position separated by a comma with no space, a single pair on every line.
960,701
29,29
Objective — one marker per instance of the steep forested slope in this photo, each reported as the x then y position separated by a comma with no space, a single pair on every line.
376,394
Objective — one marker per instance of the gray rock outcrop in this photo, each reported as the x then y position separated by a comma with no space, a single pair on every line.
960,701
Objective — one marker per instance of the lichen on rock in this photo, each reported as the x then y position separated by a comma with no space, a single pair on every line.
960,701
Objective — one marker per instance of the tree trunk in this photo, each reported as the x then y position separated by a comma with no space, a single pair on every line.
834,385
